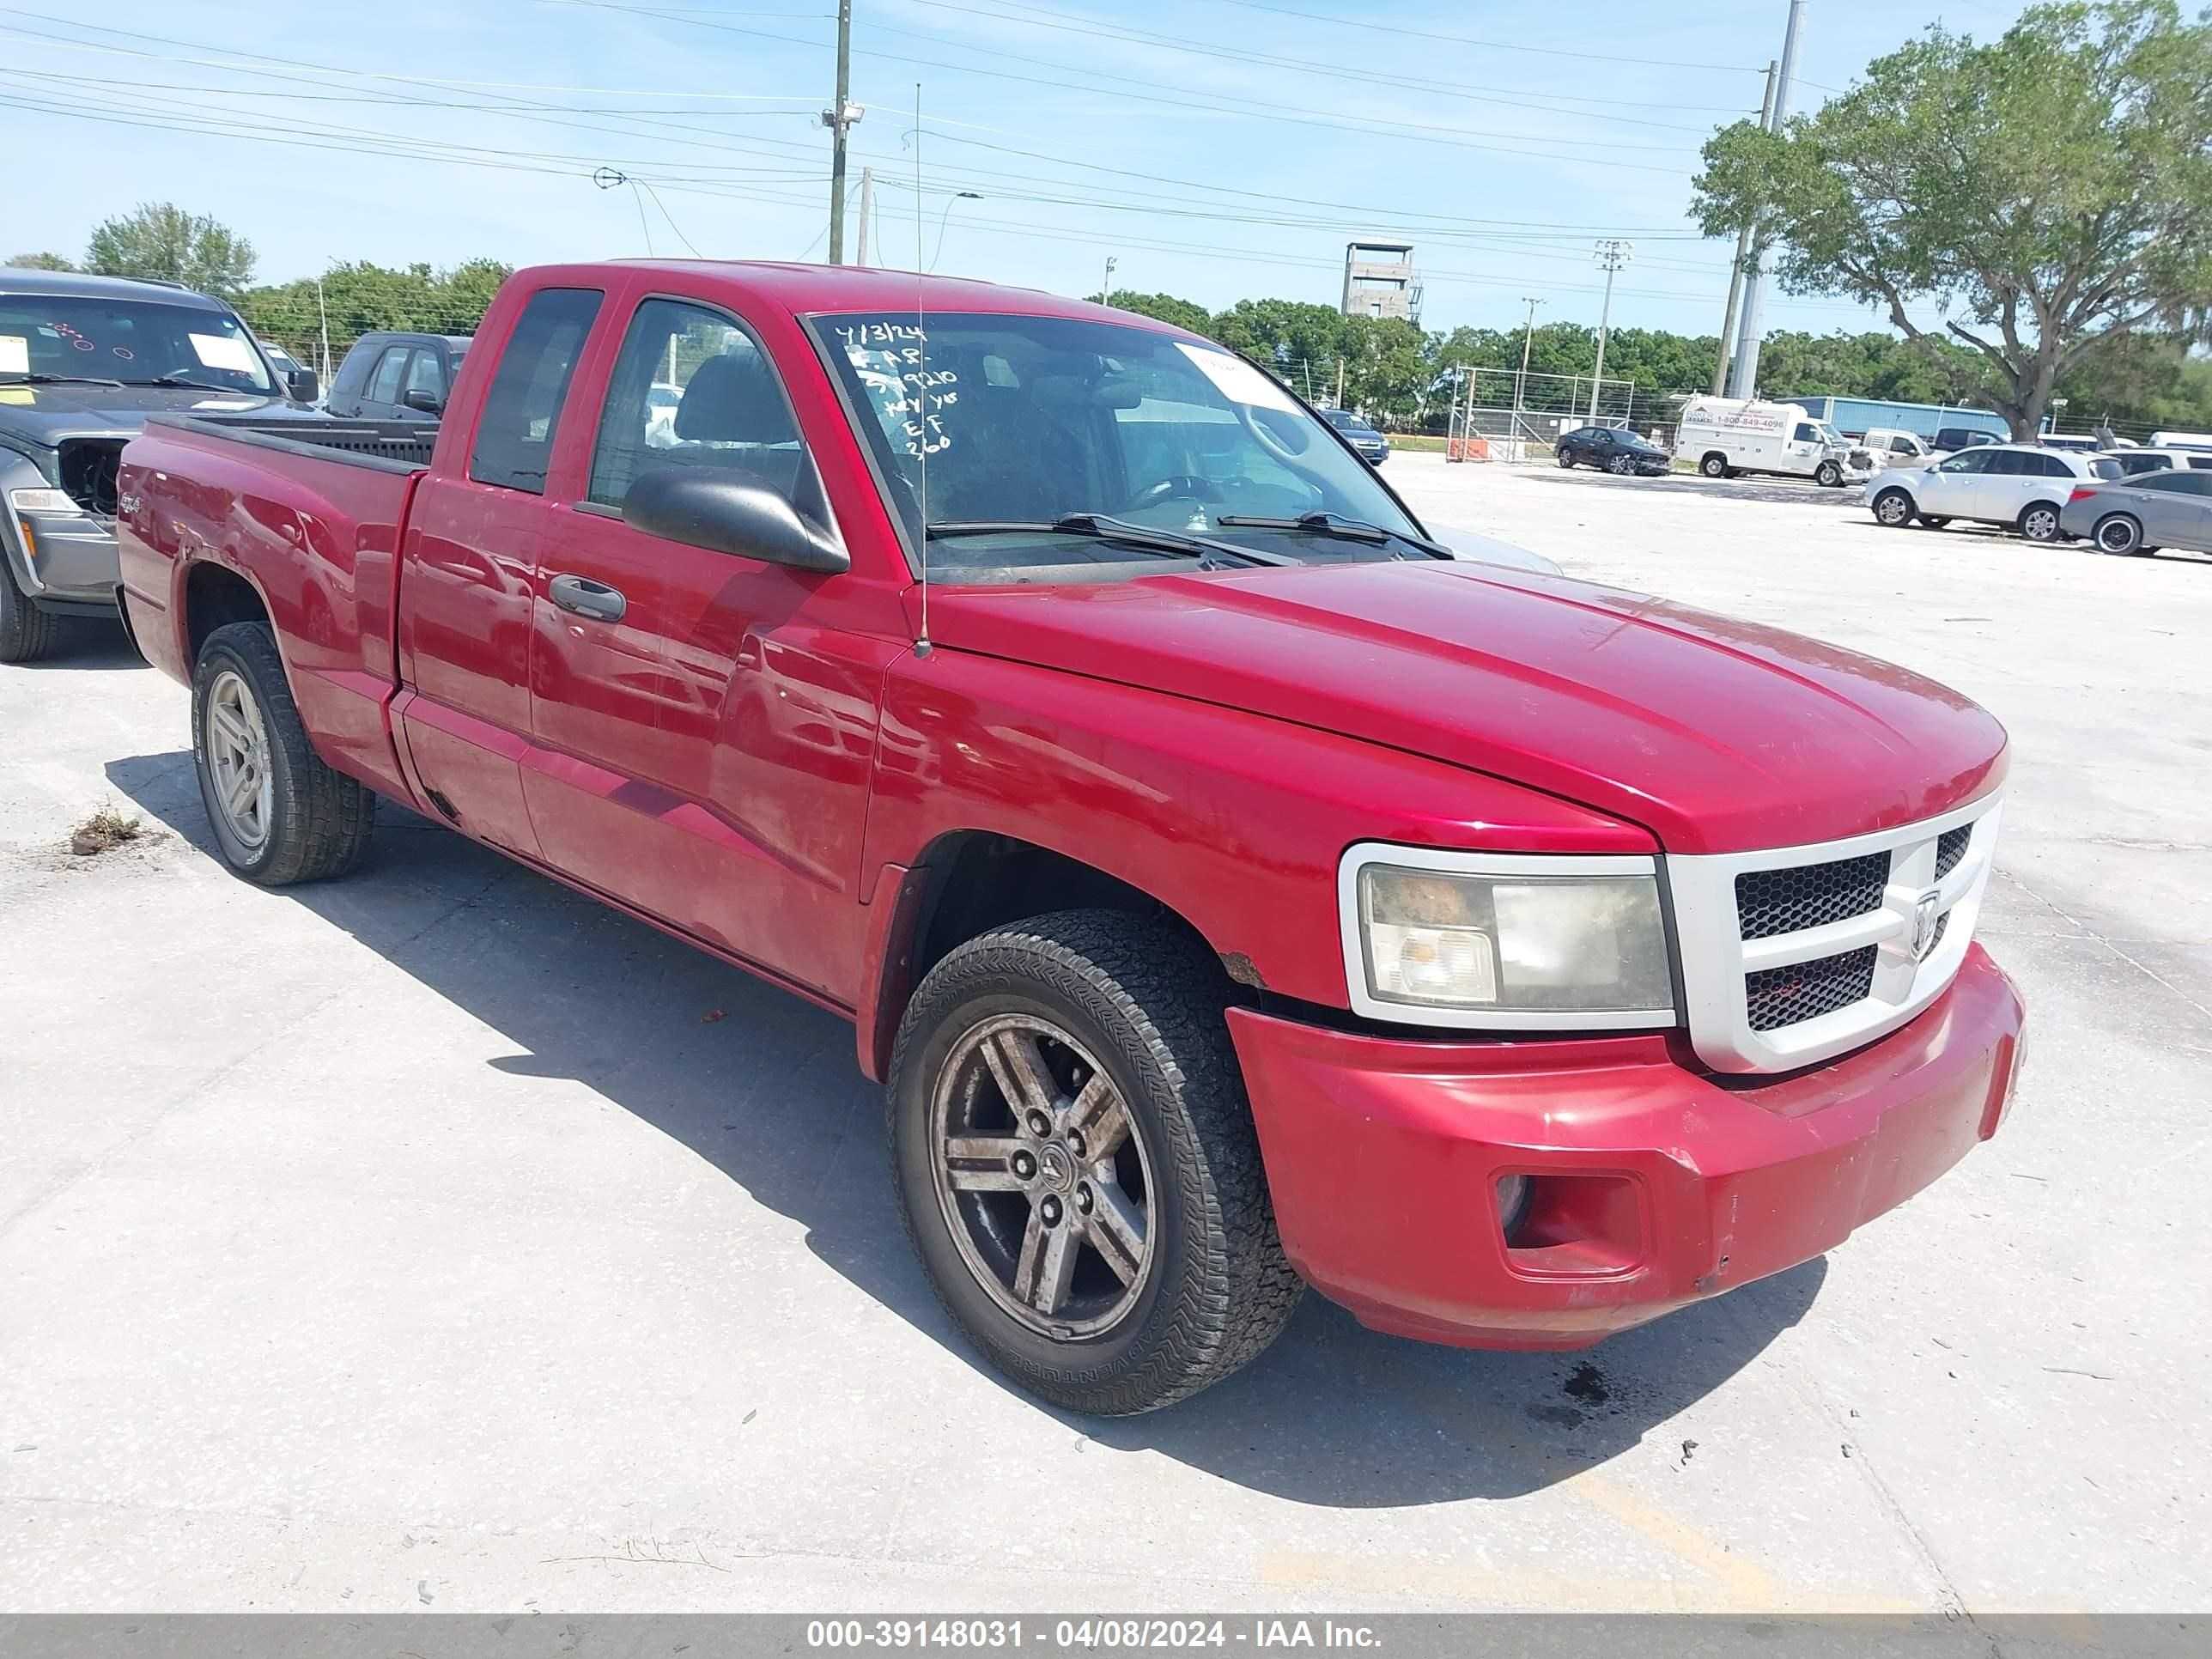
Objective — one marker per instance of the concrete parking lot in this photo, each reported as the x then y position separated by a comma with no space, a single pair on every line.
439,1239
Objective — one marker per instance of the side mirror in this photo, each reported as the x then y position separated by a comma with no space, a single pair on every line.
725,512
426,403
302,386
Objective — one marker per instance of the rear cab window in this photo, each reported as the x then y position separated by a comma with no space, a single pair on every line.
521,415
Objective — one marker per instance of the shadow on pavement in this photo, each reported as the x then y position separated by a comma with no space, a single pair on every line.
88,643
1783,490
765,1088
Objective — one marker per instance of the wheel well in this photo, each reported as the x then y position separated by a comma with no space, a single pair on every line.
213,597
975,880
1720,455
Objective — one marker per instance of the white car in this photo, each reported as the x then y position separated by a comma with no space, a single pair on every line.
1891,446
2020,486
2132,461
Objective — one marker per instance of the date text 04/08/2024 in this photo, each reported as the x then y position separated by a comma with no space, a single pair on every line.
1087,1635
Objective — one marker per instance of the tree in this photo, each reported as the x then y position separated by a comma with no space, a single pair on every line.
356,299
40,262
1163,307
2050,192
159,238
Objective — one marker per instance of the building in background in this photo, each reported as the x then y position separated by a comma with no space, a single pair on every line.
1379,280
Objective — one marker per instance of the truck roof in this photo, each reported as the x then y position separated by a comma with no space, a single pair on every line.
16,279
805,289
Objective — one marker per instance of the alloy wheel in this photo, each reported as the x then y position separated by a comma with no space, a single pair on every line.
237,739
1043,1176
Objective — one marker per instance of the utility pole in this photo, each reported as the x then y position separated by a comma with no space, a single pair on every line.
1612,254
324,312
1527,339
1743,377
1339,383
1727,351
867,208
839,120
1107,286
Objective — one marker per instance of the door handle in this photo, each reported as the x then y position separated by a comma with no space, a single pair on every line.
587,598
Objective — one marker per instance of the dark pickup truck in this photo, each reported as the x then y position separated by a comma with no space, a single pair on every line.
83,361
1233,894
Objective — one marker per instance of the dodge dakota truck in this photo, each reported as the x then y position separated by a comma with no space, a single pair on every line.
1231,894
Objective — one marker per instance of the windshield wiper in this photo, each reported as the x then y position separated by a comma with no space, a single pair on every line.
184,384
1343,529
1121,532
61,380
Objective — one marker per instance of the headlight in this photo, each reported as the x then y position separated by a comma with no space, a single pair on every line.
1517,941
42,500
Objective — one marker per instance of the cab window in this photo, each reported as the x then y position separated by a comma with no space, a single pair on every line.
1807,433
383,385
691,389
522,414
1969,460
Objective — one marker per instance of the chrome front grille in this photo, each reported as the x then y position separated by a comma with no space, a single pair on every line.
1793,954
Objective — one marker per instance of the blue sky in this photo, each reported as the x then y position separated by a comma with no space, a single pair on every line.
413,130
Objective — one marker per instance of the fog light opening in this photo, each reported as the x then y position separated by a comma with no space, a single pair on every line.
1513,1196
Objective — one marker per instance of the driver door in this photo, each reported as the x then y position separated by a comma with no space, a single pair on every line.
1948,488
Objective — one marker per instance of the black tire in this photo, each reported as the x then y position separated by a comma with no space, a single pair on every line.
2038,521
1828,475
1565,459
1147,1004
2118,533
1894,509
1716,466
319,819
26,633
1935,520
1620,466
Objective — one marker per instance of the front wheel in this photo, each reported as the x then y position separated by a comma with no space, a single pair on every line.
26,633
2118,532
1565,459
1893,507
1076,1162
1620,466
1827,475
280,814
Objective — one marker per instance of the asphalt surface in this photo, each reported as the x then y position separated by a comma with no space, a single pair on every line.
439,1240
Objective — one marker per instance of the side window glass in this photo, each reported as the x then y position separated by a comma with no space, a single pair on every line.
1807,433
425,375
690,389
522,414
1971,460
383,385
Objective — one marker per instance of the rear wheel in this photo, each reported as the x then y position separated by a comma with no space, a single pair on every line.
1893,507
1827,475
279,814
2038,521
1076,1162
26,633
2118,532
1713,465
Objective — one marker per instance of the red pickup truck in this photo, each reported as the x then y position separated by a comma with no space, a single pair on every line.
1233,892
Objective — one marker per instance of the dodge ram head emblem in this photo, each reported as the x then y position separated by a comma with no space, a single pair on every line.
1924,926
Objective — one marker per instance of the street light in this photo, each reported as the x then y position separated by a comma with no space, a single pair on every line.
945,217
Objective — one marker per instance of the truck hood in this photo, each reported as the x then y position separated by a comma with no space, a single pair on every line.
44,414
1714,734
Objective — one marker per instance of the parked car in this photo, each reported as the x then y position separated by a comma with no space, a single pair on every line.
2020,486
83,360
2183,439
2132,461
1232,891
1614,449
1725,436
397,377
2080,443
1950,440
2144,512
1372,445
1894,446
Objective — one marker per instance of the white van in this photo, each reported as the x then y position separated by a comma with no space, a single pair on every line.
1724,436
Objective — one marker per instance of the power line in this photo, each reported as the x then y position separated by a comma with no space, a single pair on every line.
1364,23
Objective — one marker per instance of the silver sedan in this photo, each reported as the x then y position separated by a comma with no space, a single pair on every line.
2148,512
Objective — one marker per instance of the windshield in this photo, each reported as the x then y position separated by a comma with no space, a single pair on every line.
137,342
1025,420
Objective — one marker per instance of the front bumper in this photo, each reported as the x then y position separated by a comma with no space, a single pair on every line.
1654,1185
63,558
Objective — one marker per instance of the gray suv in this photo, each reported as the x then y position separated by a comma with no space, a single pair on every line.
84,360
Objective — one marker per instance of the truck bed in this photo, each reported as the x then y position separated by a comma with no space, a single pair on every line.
389,445
311,514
